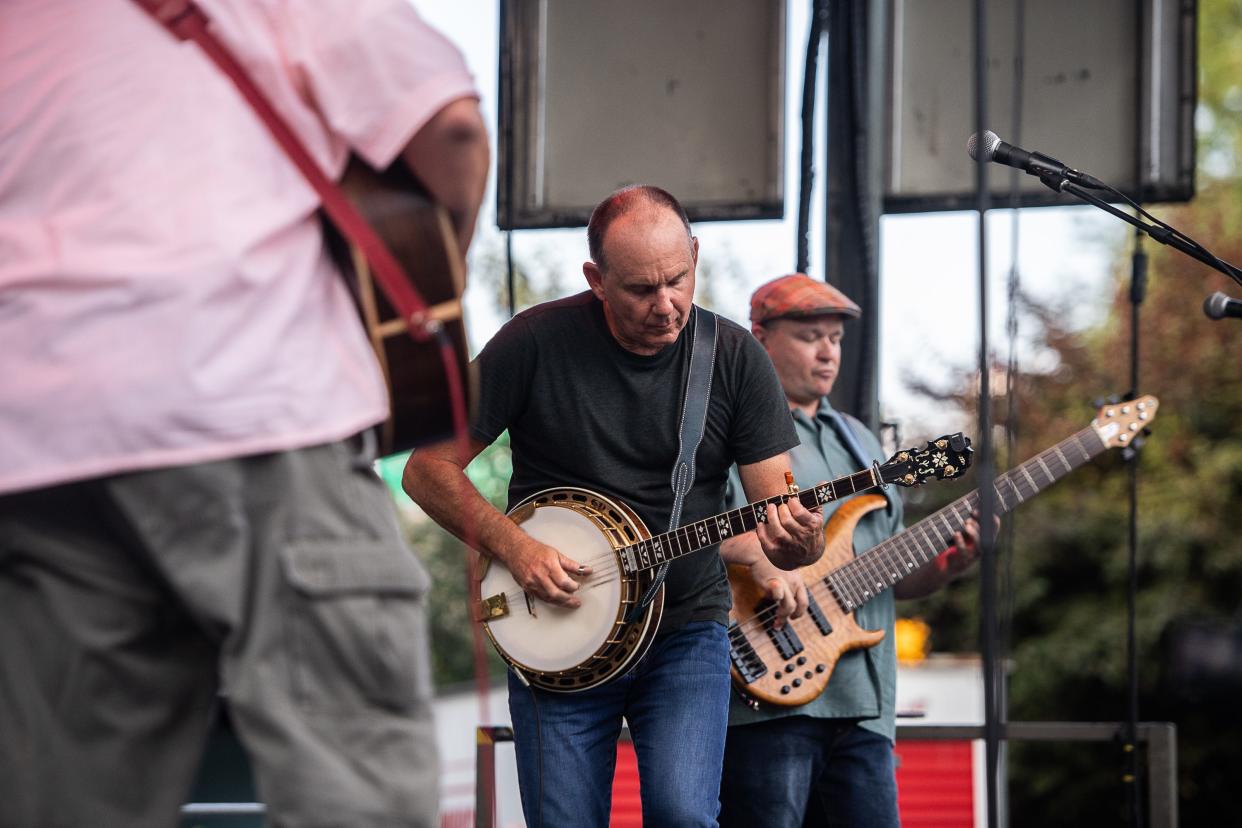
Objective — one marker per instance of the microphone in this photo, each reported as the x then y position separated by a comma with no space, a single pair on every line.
1033,163
1218,306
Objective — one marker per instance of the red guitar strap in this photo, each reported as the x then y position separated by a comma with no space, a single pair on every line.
188,22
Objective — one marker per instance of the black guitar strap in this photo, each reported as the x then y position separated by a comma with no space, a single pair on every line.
693,422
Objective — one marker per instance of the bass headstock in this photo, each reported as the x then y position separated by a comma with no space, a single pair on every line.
1119,423
945,458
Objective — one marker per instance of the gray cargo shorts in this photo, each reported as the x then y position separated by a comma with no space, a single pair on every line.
128,603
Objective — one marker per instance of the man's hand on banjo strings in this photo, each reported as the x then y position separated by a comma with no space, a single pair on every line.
546,574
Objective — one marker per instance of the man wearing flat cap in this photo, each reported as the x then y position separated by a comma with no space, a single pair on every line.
830,761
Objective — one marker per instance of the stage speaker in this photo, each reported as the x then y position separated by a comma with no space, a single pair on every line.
1107,87
599,94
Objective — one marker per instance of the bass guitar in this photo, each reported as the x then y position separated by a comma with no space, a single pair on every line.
569,650
792,665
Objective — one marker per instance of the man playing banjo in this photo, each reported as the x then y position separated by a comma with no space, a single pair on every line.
592,390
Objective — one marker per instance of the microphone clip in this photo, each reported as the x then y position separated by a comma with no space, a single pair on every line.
1054,180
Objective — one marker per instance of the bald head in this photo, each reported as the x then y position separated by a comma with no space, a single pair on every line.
645,279
636,199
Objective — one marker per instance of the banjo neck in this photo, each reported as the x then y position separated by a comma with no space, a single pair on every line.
692,537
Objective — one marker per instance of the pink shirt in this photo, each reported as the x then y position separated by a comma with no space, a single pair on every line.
164,294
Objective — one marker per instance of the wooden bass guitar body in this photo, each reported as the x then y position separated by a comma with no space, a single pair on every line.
799,658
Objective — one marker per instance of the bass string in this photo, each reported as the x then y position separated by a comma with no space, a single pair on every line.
818,589
916,540
758,623
765,647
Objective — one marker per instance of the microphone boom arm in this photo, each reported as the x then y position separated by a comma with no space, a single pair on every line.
1164,235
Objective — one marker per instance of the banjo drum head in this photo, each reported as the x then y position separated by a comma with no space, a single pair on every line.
544,637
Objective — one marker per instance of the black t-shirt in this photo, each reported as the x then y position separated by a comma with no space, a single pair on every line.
583,411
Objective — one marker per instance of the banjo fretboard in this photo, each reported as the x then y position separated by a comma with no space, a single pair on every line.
694,536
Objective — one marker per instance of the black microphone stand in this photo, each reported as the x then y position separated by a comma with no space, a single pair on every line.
1132,770
1162,233
985,473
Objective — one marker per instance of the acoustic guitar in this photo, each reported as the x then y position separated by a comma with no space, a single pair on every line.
569,650
420,236
791,666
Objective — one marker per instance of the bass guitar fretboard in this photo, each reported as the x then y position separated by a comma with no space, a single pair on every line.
888,562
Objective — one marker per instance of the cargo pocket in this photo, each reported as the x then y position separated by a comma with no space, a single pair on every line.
356,618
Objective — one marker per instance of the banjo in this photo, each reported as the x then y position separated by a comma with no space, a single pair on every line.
569,650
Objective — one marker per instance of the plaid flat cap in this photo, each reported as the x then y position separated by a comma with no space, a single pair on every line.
796,296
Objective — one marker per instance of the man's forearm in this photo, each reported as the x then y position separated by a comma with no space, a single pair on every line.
443,491
451,155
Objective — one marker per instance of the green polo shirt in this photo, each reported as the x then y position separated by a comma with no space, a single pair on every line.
863,683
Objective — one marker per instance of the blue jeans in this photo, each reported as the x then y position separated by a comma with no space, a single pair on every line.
676,702
799,771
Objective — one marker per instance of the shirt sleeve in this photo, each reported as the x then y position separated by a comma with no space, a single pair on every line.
762,426
375,70
506,371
